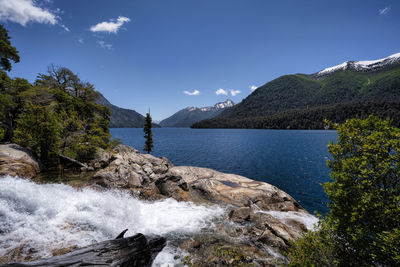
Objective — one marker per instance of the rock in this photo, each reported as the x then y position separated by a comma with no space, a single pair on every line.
236,190
248,231
269,238
101,159
18,161
174,187
128,168
240,214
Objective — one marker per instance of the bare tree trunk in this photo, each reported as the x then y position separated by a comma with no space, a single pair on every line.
137,250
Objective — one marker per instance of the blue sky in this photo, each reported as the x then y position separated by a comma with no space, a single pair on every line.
147,53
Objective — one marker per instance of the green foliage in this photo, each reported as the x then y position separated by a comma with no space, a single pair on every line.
365,192
57,114
82,125
39,130
362,227
311,118
2,133
220,256
7,51
303,101
148,135
231,257
389,245
11,102
187,261
315,248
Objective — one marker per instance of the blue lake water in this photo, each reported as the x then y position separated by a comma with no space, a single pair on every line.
292,160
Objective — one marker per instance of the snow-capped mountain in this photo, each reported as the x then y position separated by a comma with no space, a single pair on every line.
220,105
362,66
186,117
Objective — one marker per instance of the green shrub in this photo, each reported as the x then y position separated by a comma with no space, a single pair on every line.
363,224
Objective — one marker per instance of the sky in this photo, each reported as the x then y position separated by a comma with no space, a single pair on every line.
168,55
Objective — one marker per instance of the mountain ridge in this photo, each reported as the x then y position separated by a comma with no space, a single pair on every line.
286,101
363,65
122,117
189,115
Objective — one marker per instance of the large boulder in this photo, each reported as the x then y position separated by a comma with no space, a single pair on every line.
18,161
130,169
236,190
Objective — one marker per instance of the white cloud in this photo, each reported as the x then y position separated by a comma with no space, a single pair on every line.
111,26
105,45
25,11
253,88
81,41
384,10
195,92
221,91
65,27
234,92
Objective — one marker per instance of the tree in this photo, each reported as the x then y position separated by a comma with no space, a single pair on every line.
363,224
11,103
365,192
148,145
7,51
39,130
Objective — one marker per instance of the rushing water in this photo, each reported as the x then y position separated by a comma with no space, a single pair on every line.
36,219
292,160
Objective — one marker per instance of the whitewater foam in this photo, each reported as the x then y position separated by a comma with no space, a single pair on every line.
44,217
308,220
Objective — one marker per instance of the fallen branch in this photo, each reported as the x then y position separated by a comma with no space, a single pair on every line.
136,250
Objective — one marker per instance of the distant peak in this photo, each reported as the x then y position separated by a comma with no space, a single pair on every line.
364,65
227,103
220,105
191,108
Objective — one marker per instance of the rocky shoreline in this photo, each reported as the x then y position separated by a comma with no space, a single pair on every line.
261,220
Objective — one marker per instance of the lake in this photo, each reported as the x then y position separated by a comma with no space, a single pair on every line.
292,160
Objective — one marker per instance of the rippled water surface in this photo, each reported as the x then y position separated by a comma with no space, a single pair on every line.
292,160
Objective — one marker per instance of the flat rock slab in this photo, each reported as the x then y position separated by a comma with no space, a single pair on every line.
235,189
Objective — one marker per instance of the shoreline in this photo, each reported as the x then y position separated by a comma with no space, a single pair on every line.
266,219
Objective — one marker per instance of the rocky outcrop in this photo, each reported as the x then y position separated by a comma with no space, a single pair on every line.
263,219
131,170
259,224
17,161
233,189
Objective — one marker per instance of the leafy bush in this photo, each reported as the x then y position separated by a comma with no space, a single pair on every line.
315,248
362,227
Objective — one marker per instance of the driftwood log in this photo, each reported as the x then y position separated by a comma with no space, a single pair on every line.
70,163
137,250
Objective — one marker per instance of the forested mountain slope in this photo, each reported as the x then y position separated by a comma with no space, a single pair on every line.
300,101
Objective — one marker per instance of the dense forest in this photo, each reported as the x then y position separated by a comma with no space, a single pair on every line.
304,101
56,115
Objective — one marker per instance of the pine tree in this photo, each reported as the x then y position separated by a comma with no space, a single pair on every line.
148,145
7,51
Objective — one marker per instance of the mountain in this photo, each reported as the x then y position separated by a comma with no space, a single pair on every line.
121,117
186,117
301,101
